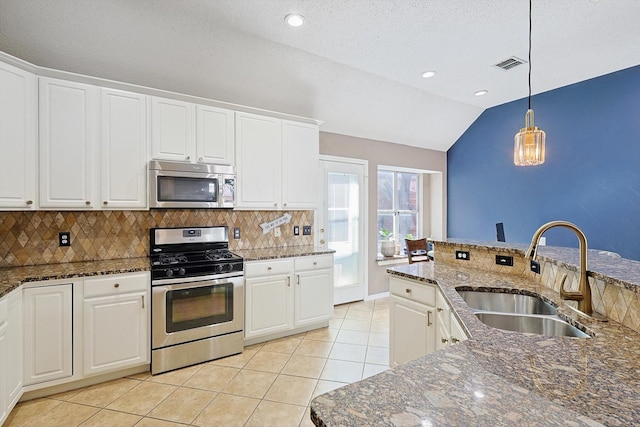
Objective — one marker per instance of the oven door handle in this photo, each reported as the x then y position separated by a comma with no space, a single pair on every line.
192,285
218,278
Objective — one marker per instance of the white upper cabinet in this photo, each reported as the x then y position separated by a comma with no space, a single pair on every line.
68,136
277,163
123,150
258,161
186,132
215,136
300,165
18,138
172,129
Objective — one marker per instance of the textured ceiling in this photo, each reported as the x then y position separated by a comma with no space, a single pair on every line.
356,64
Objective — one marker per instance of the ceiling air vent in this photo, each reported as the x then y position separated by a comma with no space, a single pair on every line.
510,63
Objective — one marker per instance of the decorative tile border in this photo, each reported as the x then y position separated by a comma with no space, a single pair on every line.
31,238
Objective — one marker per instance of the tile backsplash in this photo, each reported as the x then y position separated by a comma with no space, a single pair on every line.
31,238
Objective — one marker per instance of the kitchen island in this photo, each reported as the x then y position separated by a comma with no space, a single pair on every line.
497,377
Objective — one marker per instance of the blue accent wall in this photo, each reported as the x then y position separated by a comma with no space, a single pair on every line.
591,175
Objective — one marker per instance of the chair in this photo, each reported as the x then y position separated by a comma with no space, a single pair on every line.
417,250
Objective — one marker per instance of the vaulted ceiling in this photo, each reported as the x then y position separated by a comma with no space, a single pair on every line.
356,65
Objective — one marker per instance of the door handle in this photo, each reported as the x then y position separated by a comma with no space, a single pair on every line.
288,280
429,322
142,300
297,279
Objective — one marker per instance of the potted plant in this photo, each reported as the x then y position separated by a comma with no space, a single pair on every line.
387,244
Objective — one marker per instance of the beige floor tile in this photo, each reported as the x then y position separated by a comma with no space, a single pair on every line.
292,390
102,394
306,419
382,302
177,377
339,311
381,315
236,361
378,340
335,323
153,422
380,327
227,410
304,366
351,352
370,370
212,378
106,418
325,386
359,315
254,346
352,337
276,414
362,305
140,376
342,371
27,411
268,361
66,395
310,347
251,383
323,334
377,355
141,399
283,345
356,325
64,415
183,405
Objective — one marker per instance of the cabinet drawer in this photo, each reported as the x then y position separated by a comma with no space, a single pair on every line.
116,284
314,262
267,268
424,293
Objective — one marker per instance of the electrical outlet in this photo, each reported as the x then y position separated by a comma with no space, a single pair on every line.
535,266
463,255
64,238
306,230
504,260
236,233
296,230
276,232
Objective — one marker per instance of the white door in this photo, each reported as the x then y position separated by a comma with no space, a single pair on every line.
342,224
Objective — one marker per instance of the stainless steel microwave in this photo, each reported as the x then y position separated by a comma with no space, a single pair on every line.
189,185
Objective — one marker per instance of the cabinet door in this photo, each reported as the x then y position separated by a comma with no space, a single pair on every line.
411,330
457,331
313,297
215,135
68,135
269,305
18,138
116,333
13,377
443,316
123,150
258,161
172,129
300,165
4,361
47,333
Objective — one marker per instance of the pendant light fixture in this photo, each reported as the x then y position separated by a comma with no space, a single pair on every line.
529,142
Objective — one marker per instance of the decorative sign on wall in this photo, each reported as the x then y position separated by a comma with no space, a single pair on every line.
268,226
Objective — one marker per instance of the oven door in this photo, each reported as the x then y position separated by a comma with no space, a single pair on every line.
172,189
192,310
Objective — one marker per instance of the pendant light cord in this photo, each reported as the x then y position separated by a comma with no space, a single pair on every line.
530,54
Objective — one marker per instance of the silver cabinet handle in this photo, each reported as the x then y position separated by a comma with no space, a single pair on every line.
200,159
269,268
322,242
288,280
188,157
439,310
87,203
444,340
105,203
297,279
322,230
117,285
284,204
408,290
275,204
454,340
142,300
29,202
429,322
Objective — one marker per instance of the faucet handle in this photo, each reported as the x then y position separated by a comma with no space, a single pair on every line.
569,295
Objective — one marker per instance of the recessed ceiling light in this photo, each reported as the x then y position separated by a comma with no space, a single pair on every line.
481,92
294,20
428,74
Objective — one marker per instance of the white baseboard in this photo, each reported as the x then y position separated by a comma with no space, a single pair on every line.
376,296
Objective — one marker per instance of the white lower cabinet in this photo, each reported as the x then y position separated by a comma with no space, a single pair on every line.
116,322
420,320
48,343
10,352
284,296
4,361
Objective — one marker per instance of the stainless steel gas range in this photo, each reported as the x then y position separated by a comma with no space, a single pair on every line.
197,297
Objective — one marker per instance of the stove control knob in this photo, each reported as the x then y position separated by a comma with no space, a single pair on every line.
168,272
182,272
218,268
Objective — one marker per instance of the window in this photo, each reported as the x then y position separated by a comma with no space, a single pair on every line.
399,204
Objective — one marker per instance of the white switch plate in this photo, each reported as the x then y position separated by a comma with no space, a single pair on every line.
276,232
543,241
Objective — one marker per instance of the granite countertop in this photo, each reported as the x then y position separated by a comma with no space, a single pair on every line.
498,378
13,277
282,252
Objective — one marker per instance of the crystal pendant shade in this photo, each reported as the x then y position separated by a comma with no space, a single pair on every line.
528,147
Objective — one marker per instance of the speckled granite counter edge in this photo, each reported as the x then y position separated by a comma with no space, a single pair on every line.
281,252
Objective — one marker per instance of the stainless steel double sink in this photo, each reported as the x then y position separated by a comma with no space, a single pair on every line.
519,313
